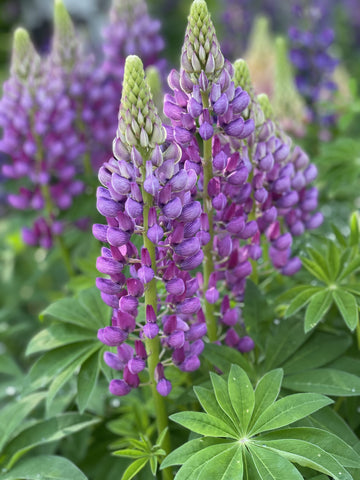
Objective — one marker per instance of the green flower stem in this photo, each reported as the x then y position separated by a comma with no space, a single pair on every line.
208,258
358,334
153,345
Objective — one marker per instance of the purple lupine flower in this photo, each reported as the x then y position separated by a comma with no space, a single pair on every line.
146,193
40,139
311,37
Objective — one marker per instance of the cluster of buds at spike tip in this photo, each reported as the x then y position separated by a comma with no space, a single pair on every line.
147,193
40,139
257,178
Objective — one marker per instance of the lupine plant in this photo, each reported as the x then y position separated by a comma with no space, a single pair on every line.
196,314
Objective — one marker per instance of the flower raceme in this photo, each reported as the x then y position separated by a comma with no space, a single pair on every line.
203,193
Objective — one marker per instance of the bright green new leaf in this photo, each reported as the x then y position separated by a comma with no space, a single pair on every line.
271,466
223,357
223,398
44,466
347,306
241,395
288,410
266,392
134,468
317,309
354,230
300,300
327,381
204,424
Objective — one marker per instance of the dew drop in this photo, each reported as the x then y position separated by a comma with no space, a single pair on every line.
319,454
115,402
353,390
277,321
10,390
234,378
247,410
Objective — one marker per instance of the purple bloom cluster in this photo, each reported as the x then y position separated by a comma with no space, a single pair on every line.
147,193
39,137
311,38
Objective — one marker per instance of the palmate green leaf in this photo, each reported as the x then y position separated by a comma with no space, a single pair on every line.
134,468
8,366
241,395
187,450
266,392
271,466
46,467
319,350
317,309
88,310
191,469
223,357
58,335
350,268
204,424
354,229
288,410
285,338
347,306
320,260
225,465
130,453
223,399
13,414
329,442
87,380
209,403
309,455
46,431
299,301
333,260
327,381
315,269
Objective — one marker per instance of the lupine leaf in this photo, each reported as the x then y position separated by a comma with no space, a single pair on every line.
208,401
286,337
223,398
187,450
8,366
329,442
327,381
308,455
288,410
266,392
339,236
58,335
130,453
303,298
241,395
222,357
319,350
320,260
87,380
347,306
271,466
204,424
44,466
333,260
134,468
193,466
315,270
350,268
93,304
288,295
317,309
354,229
13,414
46,431
226,465
256,313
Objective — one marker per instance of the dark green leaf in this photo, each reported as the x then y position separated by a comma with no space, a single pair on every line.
241,395
327,381
288,410
186,451
333,260
347,306
319,350
300,300
223,357
44,466
315,270
271,466
350,268
204,424
308,455
209,403
87,380
329,442
317,309
58,335
266,392
320,260
8,366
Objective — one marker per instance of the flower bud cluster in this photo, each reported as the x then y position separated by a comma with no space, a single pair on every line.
146,193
